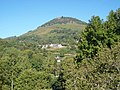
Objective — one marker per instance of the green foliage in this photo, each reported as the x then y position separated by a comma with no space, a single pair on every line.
117,17
33,80
25,66
91,39
25,70
60,83
98,34
100,73
13,62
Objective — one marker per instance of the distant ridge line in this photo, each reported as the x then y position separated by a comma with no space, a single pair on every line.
63,20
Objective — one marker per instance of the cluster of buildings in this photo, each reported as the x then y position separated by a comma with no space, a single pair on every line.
52,46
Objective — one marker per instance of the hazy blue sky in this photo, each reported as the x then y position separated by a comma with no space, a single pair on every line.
20,16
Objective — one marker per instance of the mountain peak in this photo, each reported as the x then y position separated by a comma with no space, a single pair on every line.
59,17
63,20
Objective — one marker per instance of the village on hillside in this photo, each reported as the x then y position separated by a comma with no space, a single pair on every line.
52,46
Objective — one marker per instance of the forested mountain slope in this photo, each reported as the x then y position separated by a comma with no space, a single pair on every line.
59,30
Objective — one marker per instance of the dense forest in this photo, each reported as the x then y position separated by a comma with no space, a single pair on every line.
93,63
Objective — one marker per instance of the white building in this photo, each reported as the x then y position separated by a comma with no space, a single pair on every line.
52,46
